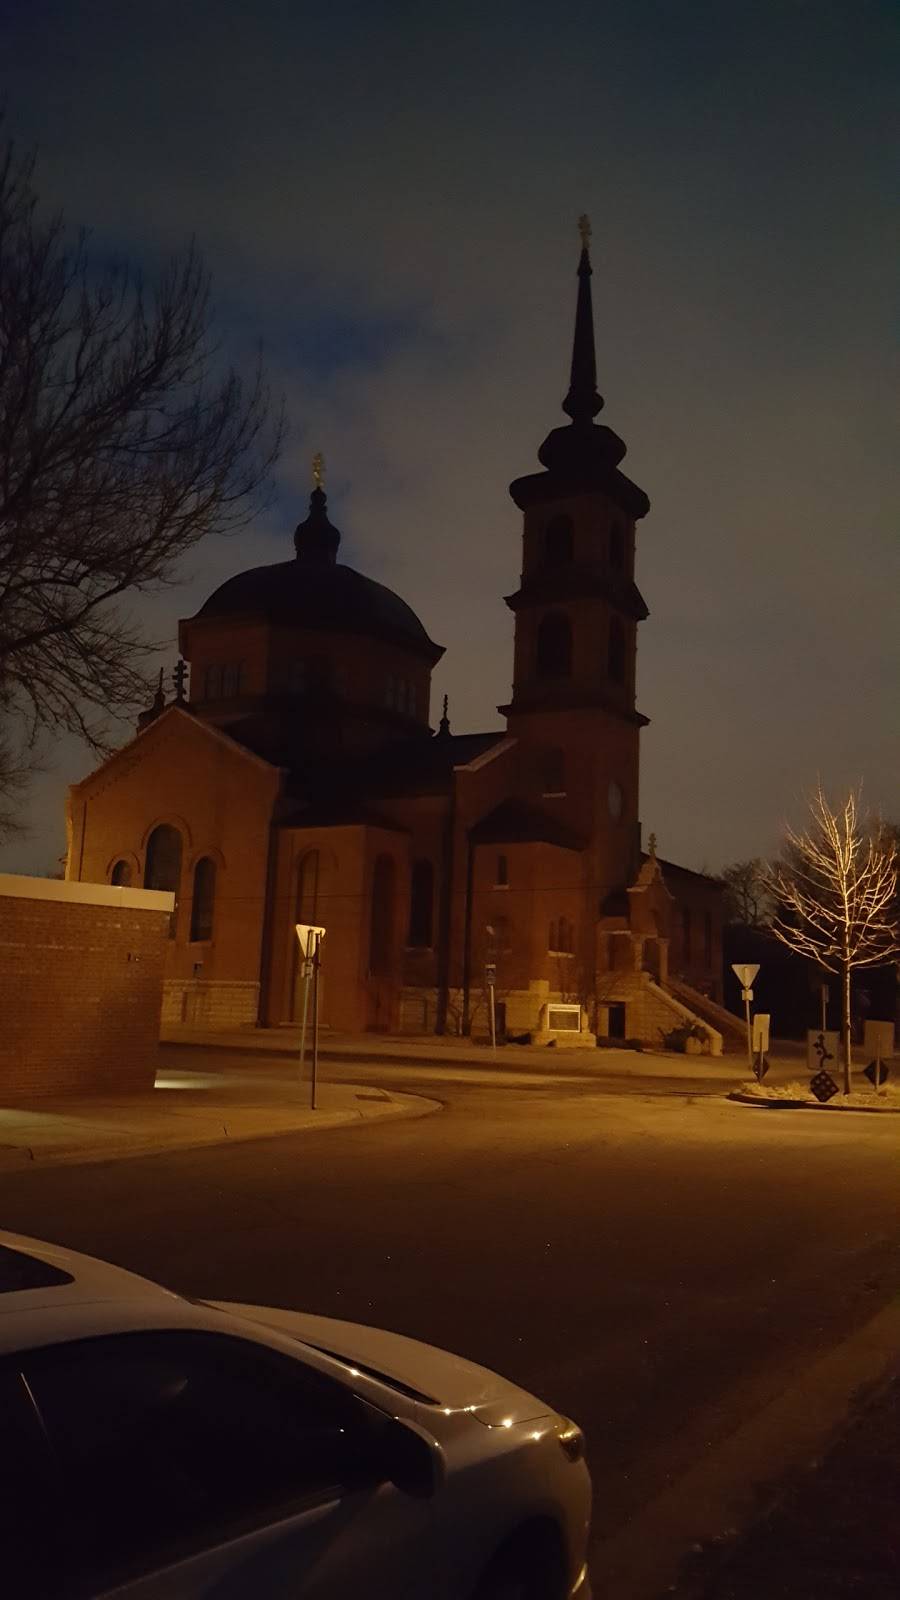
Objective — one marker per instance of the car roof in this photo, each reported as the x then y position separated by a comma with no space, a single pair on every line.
39,1277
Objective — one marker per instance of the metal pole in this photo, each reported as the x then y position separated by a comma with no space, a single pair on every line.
315,1027
304,957
749,1028
493,1020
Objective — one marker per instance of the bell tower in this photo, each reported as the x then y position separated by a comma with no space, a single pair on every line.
577,608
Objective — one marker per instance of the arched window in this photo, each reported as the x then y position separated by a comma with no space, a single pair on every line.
554,646
120,876
162,867
686,933
558,542
616,651
381,926
203,901
707,938
307,902
617,547
561,941
553,772
421,905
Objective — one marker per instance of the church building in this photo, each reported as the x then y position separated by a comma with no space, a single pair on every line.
298,779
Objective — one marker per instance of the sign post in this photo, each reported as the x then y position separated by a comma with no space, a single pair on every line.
745,972
490,978
310,939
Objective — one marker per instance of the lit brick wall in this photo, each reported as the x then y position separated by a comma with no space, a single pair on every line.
81,971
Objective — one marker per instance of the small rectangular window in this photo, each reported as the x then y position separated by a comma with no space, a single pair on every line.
501,881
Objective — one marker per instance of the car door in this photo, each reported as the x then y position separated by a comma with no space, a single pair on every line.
196,1464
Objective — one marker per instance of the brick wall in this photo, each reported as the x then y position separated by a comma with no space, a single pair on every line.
81,972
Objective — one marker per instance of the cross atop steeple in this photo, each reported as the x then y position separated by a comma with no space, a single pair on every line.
318,470
584,228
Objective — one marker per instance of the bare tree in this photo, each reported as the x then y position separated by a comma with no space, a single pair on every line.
746,900
120,448
835,892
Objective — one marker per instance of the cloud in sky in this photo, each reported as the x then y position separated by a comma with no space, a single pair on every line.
388,193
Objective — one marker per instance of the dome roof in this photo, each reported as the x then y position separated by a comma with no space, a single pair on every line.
329,597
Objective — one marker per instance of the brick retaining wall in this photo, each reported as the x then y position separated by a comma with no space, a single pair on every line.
81,972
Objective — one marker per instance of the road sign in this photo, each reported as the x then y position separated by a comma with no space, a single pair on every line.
877,1073
745,973
490,973
823,1086
761,1032
746,994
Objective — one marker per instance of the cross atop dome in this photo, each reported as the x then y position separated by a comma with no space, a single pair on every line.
316,540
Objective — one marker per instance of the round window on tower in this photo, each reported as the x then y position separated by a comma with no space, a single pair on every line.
615,800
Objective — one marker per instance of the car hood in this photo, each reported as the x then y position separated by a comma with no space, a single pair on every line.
420,1371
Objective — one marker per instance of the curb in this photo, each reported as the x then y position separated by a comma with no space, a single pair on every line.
808,1105
732,1488
30,1158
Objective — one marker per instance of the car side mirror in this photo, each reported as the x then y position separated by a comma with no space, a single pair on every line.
410,1460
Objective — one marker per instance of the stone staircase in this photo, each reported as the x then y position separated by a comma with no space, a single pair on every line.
731,1027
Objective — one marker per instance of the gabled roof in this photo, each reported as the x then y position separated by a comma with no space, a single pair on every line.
514,822
196,722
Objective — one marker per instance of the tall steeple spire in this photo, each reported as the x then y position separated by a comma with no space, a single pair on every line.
582,401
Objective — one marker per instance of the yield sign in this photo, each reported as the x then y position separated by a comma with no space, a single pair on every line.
745,973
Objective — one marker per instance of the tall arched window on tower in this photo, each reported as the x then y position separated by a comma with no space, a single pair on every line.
554,646
203,901
553,772
617,547
558,542
616,651
381,925
162,868
421,905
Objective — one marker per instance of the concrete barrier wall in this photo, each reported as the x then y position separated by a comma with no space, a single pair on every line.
81,975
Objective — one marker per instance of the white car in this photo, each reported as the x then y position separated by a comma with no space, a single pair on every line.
155,1446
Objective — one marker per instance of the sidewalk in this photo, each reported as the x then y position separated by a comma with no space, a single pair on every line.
721,1072
835,1531
186,1109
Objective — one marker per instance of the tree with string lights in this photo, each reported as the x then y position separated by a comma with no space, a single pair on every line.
834,890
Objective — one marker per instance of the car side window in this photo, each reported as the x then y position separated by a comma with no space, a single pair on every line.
167,1443
29,1500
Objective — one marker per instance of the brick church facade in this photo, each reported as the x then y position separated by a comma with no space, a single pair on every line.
300,781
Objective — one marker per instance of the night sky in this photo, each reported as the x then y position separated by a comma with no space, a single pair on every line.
388,195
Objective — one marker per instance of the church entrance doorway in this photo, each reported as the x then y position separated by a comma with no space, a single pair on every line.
617,1020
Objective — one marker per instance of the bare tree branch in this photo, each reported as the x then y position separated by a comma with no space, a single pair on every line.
835,893
120,448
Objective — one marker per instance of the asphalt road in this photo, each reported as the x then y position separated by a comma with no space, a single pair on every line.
657,1266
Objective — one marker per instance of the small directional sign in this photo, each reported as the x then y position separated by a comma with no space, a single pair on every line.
490,973
745,973
877,1073
823,1087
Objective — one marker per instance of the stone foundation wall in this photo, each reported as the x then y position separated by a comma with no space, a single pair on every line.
199,1003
